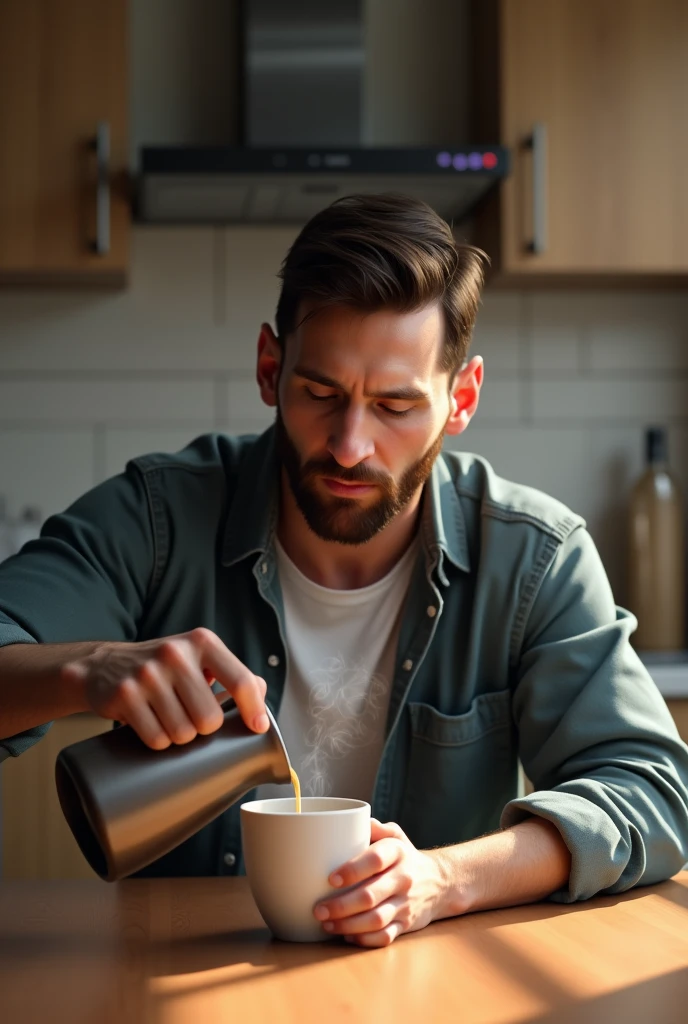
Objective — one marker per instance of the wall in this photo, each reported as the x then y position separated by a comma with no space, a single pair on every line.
89,380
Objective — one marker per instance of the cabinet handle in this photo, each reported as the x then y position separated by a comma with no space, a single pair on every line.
101,146
537,143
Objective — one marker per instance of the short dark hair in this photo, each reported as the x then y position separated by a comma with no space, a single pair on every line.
372,252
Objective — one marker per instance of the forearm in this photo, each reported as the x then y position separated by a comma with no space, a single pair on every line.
33,689
521,864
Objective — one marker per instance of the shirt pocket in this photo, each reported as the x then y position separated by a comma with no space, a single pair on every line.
462,770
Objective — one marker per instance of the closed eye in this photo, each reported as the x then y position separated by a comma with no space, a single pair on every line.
396,412
318,398
388,410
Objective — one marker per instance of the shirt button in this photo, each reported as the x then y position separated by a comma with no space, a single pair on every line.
408,665
273,661
229,859
431,610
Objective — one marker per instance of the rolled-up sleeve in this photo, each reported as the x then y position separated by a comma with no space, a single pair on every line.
595,735
85,578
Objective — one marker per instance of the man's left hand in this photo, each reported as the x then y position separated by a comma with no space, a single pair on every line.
396,889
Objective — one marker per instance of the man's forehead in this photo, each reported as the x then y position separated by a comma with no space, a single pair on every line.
313,309
331,332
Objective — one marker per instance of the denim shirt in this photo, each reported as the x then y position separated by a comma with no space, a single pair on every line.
511,648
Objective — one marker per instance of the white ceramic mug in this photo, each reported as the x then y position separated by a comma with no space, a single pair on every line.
290,856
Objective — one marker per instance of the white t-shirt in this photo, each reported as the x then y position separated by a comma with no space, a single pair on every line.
341,648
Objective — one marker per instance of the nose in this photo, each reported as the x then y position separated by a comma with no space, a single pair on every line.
350,441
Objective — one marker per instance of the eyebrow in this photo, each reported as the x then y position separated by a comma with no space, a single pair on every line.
405,392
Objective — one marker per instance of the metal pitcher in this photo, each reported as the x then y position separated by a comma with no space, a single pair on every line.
127,804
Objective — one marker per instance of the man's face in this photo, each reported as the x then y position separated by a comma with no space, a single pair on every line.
362,407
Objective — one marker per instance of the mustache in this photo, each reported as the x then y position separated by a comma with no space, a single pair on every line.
360,474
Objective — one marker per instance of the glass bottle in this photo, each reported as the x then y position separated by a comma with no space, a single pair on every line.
656,555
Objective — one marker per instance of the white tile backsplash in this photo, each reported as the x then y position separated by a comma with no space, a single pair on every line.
90,379
636,399
119,444
602,308
554,333
245,410
105,400
500,399
253,257
497,337
163,321
524,454
46,468
651,347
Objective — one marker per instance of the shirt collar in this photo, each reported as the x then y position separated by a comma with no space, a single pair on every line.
442,519
252,518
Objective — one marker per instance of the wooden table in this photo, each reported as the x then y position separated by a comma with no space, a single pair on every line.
195,950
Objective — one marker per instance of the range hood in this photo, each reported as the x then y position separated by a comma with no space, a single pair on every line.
303,114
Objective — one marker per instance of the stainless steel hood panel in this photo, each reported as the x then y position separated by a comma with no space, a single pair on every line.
303,96
235,186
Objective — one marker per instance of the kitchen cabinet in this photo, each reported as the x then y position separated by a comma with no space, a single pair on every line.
590,97
36,840
64,208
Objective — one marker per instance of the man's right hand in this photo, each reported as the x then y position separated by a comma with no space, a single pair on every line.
161,687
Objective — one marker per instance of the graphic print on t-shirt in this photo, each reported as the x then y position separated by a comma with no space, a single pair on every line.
345,704
341,647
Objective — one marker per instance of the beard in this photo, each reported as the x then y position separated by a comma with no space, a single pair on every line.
340,519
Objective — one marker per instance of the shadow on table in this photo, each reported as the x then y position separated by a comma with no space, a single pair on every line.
255,946
168,946
655,1001
660,1000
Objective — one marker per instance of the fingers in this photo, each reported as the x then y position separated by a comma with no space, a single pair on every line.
223,695
161,688
383,937
372,921
180,699
372,911
190,688
376,858
247,689
362,900
140,716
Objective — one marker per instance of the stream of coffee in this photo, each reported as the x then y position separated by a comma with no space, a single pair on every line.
297,789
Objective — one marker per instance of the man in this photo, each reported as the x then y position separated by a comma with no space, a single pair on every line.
417,623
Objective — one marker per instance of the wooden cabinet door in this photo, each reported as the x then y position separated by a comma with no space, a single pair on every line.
36,840
608,81
63,72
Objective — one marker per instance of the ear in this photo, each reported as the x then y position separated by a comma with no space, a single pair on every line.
465,395
268,364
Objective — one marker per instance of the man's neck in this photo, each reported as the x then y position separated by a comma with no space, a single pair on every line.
343,566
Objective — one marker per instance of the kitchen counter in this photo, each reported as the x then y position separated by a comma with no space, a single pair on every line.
170,951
